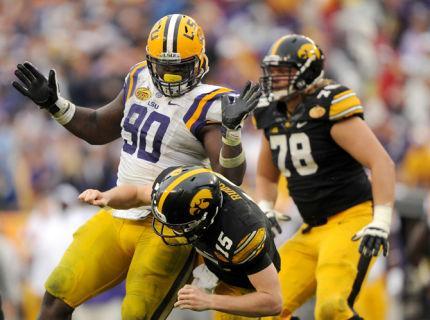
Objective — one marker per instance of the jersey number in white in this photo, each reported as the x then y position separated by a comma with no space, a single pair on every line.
224,243
300,150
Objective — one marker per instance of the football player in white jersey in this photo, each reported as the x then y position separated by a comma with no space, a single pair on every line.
166,117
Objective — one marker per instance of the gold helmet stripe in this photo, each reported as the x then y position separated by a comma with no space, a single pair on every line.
173,25
177,181
276,45
166,28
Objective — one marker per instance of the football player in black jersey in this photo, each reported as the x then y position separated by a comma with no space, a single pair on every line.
193,205
315,136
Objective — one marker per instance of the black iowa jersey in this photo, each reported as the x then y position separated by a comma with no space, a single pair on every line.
238,243
323,179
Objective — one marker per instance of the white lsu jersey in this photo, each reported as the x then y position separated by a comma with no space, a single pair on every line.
160,131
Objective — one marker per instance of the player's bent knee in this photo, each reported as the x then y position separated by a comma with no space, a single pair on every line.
54,308
134,308
286,314
332,308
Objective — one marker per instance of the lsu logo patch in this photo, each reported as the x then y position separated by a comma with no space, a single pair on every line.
143,93
200,201
308,50
316,112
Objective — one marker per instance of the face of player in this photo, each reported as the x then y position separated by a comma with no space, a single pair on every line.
282,76
172,73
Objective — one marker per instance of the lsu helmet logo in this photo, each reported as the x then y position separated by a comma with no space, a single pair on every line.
308,51
143,93
200,201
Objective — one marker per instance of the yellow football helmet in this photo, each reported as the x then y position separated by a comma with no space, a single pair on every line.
176,54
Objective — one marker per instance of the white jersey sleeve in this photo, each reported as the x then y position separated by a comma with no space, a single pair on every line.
205,108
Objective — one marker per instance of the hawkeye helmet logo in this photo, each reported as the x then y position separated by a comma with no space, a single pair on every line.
200,201
143,93
309,50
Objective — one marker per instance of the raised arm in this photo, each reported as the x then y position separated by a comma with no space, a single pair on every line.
120,197
99,126
223,143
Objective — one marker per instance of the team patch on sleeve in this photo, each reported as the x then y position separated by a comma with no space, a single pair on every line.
250,246
131,80
195,117
344,105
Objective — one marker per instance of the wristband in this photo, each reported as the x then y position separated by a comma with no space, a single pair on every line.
231,137
266,205
66,111
382,214
232,162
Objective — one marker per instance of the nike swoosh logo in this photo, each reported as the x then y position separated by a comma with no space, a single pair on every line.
170,103
301,124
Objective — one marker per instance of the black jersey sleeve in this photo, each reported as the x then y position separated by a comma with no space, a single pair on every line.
251,253
343,103
257,264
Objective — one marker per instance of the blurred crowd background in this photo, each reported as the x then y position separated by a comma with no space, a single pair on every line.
380,48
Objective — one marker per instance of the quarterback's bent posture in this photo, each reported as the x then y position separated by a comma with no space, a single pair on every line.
166,117
315,136
193,205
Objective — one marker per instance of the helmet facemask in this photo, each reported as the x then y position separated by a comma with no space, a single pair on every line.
182,233
173,76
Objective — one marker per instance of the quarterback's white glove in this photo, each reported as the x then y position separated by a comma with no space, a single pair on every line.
204,278
274,216
375,234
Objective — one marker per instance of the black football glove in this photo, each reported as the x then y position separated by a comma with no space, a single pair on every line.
234,112
374,236
43,92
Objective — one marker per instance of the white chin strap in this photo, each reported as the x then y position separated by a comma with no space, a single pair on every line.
279,94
